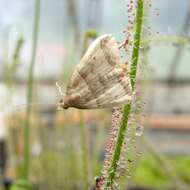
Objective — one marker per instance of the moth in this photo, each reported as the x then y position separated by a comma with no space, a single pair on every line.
100,79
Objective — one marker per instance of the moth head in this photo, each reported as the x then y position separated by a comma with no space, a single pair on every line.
62,105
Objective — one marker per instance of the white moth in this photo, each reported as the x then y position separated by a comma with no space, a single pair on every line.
99,80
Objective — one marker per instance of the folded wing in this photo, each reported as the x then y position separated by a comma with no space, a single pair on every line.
99,81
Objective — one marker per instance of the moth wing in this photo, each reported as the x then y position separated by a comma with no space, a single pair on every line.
96,81
116,94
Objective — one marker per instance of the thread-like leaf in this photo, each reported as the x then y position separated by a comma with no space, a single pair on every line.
126,110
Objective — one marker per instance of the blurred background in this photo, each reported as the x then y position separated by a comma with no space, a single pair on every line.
57,151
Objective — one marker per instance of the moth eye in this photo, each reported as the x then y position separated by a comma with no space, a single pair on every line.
94,58
61,101
97,179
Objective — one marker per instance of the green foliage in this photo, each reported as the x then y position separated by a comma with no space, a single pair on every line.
182,165
59,165
30,91
21,184
89,34
150,174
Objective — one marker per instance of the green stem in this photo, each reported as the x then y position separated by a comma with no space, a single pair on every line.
30,90
136,45
127,108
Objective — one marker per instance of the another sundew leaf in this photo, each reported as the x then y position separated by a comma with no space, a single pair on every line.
165,40
11,68
16,53
30,90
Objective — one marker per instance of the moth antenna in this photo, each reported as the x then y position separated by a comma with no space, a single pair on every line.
60,89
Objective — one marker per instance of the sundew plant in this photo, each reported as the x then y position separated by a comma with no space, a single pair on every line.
121,116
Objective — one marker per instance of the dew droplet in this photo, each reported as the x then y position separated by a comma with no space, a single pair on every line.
139,130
